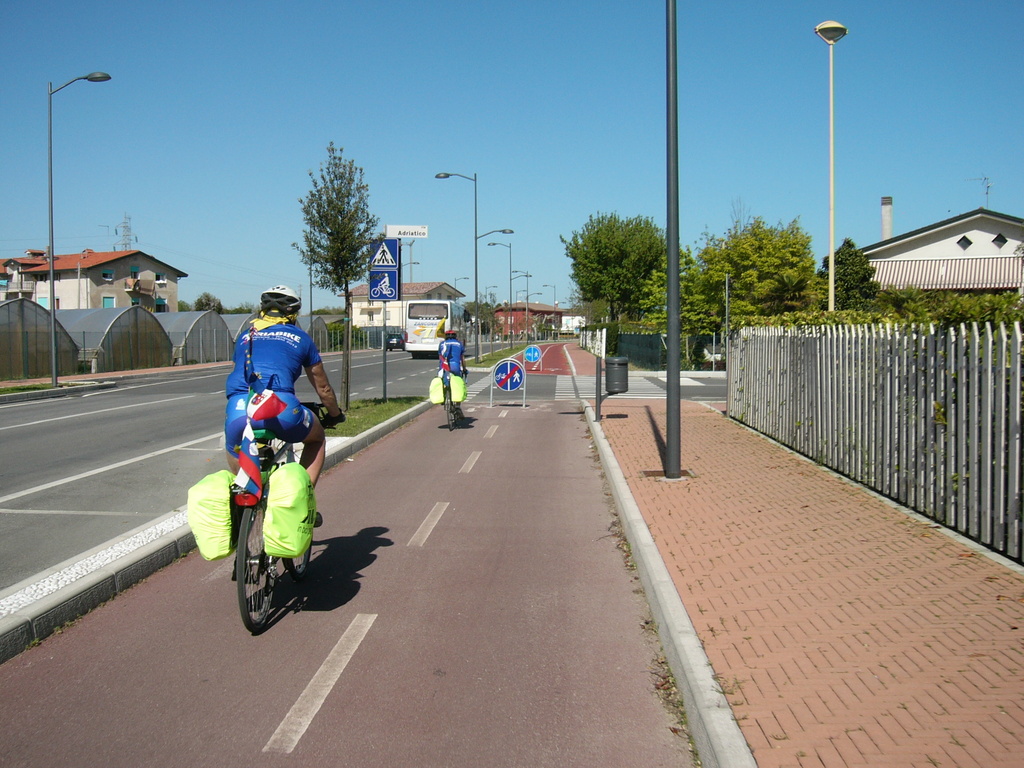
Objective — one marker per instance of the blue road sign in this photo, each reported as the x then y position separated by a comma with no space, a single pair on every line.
532,354
385,272
509,375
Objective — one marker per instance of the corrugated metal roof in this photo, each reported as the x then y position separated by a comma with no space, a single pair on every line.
990,273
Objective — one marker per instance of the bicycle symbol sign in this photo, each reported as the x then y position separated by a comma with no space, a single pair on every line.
385,269
532,354
509,375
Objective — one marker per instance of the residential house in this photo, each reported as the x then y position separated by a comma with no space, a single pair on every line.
975,251
534,316
366,313
94,280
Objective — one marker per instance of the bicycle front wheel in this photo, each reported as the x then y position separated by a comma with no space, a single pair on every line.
255,571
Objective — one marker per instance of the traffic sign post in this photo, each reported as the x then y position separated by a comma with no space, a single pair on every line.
386,271
508,375
533,355
385,286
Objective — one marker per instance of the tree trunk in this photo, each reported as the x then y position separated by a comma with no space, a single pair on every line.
346,355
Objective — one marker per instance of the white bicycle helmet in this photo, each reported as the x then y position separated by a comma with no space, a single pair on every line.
280,301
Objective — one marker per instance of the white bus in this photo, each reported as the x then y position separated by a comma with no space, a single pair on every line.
426,320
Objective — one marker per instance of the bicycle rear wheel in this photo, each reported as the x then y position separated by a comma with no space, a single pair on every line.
255,571
449,408
296,566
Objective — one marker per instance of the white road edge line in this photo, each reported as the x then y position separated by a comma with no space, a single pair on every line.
99,470
93,413
465,467
295,723
420,537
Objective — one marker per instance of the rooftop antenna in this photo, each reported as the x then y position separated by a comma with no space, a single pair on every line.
986,183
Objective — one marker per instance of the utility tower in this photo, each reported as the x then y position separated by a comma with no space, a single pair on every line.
125,231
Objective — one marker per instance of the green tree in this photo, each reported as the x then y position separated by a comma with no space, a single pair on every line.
245,308
756,256
336,244
855,278
207,301
184,306
612,256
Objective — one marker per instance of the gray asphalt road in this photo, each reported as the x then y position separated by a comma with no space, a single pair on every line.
467,606
77,472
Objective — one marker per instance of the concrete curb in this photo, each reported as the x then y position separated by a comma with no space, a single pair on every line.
713,727
49,394
34,608
717,735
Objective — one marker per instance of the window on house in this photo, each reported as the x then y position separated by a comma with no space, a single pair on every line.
108,275
135,273
108,302
964,242
999,241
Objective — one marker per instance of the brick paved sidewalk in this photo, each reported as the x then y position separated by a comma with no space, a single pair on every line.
843,631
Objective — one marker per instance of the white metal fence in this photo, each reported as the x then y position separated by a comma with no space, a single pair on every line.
928,417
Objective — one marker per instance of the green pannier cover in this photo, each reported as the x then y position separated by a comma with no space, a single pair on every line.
209,515
436,390
291,512
458,389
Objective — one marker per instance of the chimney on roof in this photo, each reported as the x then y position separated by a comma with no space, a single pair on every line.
886,218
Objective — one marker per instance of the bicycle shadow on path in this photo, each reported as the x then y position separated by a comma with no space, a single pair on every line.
334,573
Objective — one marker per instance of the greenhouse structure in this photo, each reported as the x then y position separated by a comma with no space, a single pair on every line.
118,338
197,337
317,329
25,342
237,323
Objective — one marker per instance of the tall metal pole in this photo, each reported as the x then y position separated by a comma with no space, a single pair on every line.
95,77
831,32
672,367
476,276
831,183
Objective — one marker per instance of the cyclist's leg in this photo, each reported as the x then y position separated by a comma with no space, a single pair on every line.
234,424
313,451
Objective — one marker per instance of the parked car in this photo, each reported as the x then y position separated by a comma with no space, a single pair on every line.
395,341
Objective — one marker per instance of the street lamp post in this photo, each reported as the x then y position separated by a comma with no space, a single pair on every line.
476,260
554,298
527,275
456,284
831,32
509,246
95,77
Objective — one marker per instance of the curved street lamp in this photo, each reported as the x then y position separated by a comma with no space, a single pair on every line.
456,283
509,246
476,243
94,77
831,32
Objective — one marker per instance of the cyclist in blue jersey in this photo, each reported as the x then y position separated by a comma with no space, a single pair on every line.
451,359
270,356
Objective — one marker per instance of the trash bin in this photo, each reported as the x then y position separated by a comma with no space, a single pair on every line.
616,375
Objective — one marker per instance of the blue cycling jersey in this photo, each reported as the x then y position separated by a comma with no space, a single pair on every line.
452,351
279,354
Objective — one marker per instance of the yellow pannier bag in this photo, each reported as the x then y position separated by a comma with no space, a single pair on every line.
291,512
436,390
458,389
209,515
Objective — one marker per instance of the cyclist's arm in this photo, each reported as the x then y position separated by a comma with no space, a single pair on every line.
318,378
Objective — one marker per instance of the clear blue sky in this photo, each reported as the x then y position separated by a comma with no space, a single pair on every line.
217,111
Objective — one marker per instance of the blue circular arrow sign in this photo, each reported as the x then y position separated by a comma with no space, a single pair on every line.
509,375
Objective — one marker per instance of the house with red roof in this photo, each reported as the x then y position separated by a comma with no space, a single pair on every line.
93,280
